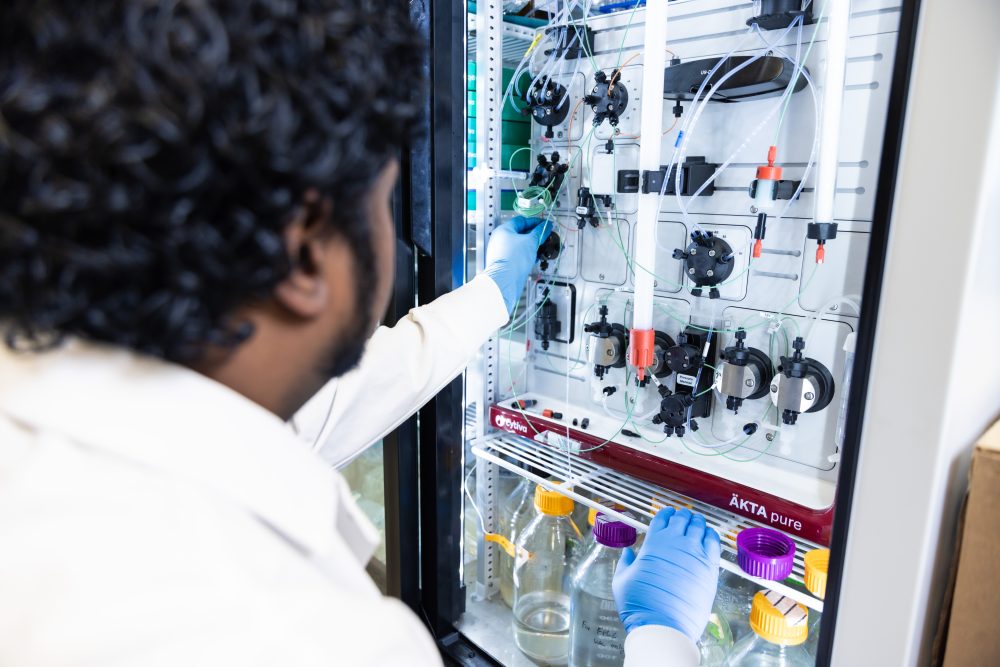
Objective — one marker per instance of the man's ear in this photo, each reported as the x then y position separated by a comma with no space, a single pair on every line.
305,291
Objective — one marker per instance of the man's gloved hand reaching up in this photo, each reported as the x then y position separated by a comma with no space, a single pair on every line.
511,252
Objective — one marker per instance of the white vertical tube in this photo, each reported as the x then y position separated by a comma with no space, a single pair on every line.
833,101
651,124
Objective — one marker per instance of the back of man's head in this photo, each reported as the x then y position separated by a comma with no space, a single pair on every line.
152,153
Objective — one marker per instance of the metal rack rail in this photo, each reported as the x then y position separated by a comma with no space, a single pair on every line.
583,481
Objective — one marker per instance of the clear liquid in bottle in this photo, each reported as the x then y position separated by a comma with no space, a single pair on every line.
541,626
542,568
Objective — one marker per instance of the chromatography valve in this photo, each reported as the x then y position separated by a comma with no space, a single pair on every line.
801,385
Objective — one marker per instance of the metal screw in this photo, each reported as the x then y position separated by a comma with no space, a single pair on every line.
774,389
749,382
835,307
711,253
809,396
769,437
548,112
691,271
600,276
710,272
753,209
694,251
548,94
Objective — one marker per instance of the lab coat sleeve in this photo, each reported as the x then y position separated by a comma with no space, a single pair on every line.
402,368
659,646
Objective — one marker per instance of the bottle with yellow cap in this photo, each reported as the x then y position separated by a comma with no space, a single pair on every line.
780,629
545,557
817,562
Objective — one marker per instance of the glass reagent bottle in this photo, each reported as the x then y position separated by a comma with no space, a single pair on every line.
597,636
545,558
780,628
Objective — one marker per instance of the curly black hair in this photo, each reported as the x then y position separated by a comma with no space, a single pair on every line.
152,152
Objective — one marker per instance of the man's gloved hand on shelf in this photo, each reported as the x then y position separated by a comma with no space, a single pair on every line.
672,581
511,252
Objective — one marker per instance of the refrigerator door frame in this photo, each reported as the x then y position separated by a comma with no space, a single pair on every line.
911,473
423,457
441,431
868,328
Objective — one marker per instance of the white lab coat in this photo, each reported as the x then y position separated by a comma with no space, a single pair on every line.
151,516
402,368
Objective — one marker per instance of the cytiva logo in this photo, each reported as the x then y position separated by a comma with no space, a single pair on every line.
508,424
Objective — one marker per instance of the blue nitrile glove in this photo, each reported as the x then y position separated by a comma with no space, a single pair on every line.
673,580
511,252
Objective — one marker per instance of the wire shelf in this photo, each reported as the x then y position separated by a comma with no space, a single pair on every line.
640,499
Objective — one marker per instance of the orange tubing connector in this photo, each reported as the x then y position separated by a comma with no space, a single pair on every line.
640,350
820,254
770,172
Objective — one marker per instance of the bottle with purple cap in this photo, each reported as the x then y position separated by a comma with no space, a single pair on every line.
597,636
761,552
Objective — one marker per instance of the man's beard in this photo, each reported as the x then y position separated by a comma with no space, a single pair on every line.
345,353
344,356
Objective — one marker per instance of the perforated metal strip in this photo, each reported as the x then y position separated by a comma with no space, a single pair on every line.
516,40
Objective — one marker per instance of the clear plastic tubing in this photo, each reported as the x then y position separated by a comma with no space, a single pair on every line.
681,152
797,66
683,130
815,145
833,102
850,343
697,96
851,300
